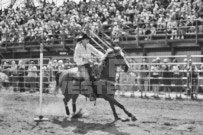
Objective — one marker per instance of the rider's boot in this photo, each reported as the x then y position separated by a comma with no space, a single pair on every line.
92,97
92,94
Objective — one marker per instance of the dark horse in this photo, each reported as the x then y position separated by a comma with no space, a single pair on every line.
107,78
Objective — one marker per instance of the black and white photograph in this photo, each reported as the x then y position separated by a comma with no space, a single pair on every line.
101,67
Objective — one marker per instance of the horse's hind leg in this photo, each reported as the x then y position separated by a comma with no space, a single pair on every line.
74,99
66,100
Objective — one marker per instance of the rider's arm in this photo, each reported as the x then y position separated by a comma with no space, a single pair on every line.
95,51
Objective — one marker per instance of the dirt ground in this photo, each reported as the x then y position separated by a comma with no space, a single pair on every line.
155,117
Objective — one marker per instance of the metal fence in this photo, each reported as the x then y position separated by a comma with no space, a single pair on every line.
148,76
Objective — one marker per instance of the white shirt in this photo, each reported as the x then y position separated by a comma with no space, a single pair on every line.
155,70
176,70
82,54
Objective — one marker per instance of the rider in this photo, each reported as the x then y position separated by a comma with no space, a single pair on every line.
82,56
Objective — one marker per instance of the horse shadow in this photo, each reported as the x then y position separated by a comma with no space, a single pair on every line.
84,127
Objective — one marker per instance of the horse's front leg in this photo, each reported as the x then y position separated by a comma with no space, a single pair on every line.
115,102
133,118
66,100
114,111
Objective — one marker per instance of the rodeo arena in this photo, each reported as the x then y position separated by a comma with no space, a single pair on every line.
101,67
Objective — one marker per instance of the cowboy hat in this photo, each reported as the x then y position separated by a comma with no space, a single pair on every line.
82,36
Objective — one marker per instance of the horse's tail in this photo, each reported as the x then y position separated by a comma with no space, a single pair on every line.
57,78
57,82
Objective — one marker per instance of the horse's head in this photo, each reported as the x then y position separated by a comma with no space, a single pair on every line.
117,56
114,58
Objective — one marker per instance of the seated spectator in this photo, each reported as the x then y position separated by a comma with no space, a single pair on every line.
148,32
174,33
161,22
181,29
116,32
153,30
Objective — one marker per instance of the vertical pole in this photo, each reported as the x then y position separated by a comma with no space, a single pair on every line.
201,53
63,40
196,35
149,78
41,118
166,35
41,76
138,34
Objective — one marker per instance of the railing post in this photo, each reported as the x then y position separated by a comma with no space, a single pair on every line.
166,35
63,38
111,31
23,42
6,42
74,39
119,35
101,30
196,36
42,36
137,33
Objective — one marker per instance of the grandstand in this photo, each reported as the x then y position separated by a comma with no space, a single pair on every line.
137,33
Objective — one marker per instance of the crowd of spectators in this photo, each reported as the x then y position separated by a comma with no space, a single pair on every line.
143,17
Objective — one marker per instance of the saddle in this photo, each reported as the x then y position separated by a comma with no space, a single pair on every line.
94,72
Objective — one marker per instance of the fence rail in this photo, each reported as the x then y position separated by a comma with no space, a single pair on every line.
138,78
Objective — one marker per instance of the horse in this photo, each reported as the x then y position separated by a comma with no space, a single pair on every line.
107,78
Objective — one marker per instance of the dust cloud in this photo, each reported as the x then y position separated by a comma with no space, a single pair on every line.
58,109
55,109
1,106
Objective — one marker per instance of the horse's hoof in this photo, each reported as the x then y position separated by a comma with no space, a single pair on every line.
117,119
125,120
133,118
77,115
